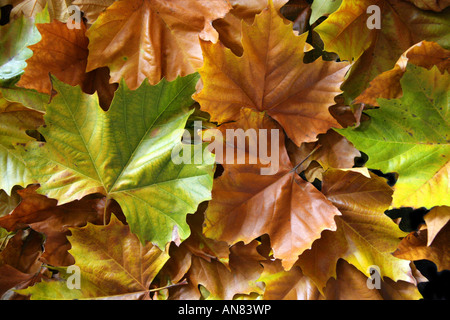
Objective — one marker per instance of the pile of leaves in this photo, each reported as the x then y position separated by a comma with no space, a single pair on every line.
90,114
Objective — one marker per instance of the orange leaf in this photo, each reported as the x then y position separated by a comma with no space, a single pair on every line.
62,52
271,76
246,204
152,39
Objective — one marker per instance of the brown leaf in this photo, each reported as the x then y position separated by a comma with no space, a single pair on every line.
43,215
387,84
223,283
351,284
92,9
414,247
246,204
63,52
436,219
335,152
287,285
271,76
152,39
365,236
229,27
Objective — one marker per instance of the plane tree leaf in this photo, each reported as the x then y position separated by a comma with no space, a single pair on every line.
387,84
57,9
247,204
321,8
351,284
376,50
43,215
157,38
287,285
270,76
365,236
92,9
431,243
229,27
113,264
88,150
435,220
15,120
410,136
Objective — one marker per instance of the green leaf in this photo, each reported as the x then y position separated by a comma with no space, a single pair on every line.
411,136
321,8
15,37
125,154
15,120
112,264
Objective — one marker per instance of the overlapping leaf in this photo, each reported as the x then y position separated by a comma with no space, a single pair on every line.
113,263
15,120
365,236
410,136
271,76
247,204
152,39
376,50
125,154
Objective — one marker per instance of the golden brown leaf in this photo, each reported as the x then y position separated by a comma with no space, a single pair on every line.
271,76
414,247
351,284
365,236
152,39
287,285
43,215
246,204
387,84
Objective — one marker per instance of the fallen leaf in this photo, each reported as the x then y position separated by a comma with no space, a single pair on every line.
113,263
292,92
152,38
246,204
365,236
410,136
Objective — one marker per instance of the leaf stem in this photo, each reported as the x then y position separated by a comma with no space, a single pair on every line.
307,157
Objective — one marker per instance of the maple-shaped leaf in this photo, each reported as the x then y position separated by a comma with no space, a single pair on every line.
43,215
247,204
387,84
410,136
287,285
125,154
8,203
220,281
351,284
15,120
229,27
271,76
376,50
113,264
63,52
431,243
140,39
335,151
365,236
14,40
20,263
